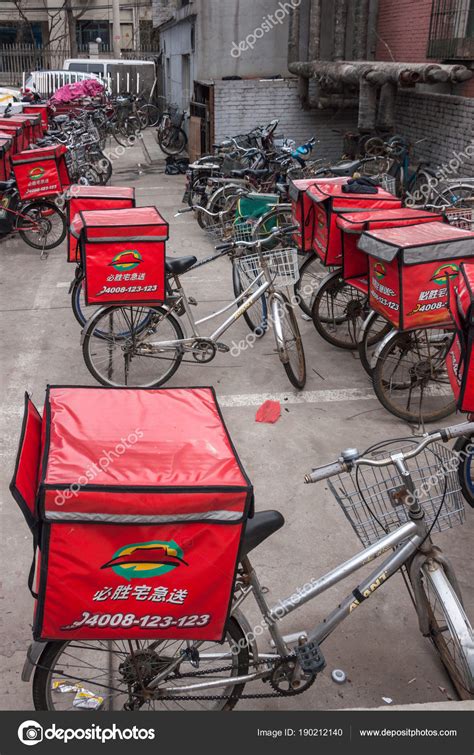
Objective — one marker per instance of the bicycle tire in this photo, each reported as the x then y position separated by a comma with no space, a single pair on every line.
312,274
369,336
284,336
384,381
90,339
51,209
42,680
178,138
447,619
339,329
256,316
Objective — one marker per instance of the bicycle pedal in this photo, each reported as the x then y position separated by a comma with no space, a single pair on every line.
310,658
223,347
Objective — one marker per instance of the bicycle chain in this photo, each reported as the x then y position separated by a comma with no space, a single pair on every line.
247,696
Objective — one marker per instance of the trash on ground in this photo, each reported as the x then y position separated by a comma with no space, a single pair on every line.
269,412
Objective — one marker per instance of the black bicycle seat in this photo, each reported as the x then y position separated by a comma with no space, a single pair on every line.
259,528
61,118
345,169
6,185
254,173
179,265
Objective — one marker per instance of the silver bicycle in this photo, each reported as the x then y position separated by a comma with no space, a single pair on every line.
143,345
395,497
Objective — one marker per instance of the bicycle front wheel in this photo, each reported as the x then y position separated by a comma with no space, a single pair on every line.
256,315
312,274
449,628
410,376
464,447
118,350
372,332
288,340
172,140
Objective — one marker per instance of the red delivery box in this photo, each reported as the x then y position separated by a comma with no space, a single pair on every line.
329,200
93,198
460,359
5,164
123,255
31,125
42,110
355,263
302,212
410,268
41,172
16,134
139,504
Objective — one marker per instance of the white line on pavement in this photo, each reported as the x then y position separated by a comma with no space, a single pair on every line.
63,284
305,397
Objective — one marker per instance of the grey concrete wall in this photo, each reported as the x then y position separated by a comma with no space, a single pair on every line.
176,42
221,23
241,105
447,122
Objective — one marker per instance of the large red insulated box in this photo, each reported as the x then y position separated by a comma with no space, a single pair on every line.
123,255
302,212
410,269
31,125
42,110
5,154
93,198
460,358
355,263
329,200
138,502
41,172
16,134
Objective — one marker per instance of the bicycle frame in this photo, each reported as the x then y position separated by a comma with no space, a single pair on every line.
407,540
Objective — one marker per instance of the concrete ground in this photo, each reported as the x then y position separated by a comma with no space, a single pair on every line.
379,647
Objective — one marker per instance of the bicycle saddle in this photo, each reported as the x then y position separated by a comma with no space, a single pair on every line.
61,118
256,173
262,525
345,169
179,265
6,185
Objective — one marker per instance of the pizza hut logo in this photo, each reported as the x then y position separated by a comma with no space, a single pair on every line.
36,173
150,559
380,270
445,273
128,260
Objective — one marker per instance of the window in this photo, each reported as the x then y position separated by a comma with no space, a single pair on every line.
88,31
451,35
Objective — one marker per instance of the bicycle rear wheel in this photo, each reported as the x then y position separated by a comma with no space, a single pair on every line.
464,446
449,628
312,274
172,140
42,224
372,332
117,346
410,377
338,311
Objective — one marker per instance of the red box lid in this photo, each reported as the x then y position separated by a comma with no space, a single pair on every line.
77,191
332,189
356,222
139,451
32,155
418,243
131,223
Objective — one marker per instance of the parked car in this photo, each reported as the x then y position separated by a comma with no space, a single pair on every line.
9,94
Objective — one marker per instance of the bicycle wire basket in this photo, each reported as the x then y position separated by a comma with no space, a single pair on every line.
176,115
282,265
463,218
372,498
389,183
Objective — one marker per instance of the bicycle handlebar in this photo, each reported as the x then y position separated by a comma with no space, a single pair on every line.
228,245
354,460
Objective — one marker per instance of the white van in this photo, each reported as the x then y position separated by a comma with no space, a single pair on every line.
135,76
47,82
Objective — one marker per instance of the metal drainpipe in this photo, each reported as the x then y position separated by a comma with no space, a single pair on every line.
340,21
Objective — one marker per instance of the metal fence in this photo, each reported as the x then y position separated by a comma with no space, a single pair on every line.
17,59
451,35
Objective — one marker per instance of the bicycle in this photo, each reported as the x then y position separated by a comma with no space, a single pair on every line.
171,138
391,512
119,342
39,222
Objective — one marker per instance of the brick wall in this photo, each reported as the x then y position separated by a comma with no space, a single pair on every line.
446,121
241,105
402,30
